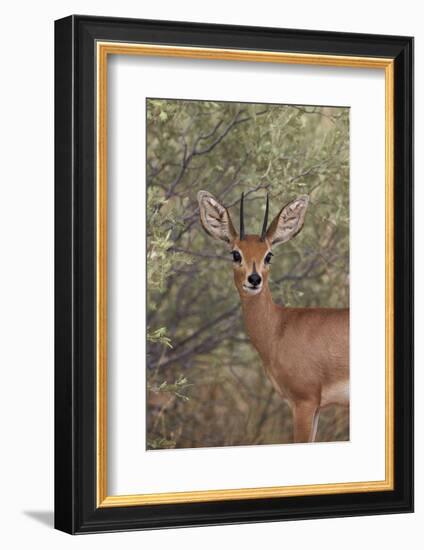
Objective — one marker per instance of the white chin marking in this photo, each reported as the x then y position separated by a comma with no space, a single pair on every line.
252,291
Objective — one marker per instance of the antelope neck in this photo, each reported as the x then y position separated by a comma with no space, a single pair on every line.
260,319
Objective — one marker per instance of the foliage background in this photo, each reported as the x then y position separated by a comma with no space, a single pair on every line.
205,382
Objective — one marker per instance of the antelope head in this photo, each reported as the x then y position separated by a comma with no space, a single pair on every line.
251,254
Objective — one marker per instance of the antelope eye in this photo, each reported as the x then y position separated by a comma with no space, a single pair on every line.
236,256
268,257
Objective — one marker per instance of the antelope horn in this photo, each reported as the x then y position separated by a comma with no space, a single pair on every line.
265,225
242,217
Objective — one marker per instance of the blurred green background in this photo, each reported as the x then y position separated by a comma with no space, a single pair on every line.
205,383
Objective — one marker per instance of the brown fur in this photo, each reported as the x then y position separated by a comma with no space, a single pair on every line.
304,350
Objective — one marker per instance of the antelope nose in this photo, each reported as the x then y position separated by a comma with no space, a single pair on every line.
254,279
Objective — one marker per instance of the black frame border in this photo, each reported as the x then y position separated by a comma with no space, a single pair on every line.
75,274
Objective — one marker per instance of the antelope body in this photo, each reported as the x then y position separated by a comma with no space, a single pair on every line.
305,351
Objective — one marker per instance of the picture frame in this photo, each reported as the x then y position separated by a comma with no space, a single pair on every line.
83,45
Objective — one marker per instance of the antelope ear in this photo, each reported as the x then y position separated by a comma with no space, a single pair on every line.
288,222
215,219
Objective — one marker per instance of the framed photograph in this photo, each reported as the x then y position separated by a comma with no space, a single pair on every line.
234,274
